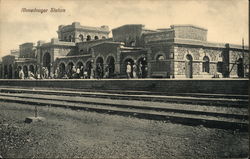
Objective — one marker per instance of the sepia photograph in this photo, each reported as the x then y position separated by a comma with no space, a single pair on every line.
124,79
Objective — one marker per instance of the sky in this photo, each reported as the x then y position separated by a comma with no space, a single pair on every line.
226,20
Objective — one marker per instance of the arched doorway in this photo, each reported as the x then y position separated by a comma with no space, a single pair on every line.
10,72
47,61
240,68
131,61
111,67
96,37
99,67
5,71
25,71
205,64
189,66
79,66
69,68
17,70
142,67
61,70
32,69
88,69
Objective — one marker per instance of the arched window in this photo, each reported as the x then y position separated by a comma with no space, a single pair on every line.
81,37
205,64
96,37
88,38
103,37
160,58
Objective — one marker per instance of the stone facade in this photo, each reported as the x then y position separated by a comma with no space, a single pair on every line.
181,51
77,33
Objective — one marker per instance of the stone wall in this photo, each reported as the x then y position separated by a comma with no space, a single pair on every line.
234,56
190,32
8,66
27,50
128,34
197,53
158,36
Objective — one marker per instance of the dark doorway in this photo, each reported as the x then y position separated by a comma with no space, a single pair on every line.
131,61
99,67
25,71
70,71
32,69
88,69
61,70
110,67
142,67
5,71
240,68
189,66
10,72
47,61
205,64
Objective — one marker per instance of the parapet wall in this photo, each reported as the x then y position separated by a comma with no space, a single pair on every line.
216,86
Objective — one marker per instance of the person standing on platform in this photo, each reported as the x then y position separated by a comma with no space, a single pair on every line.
46,73
78,72
21,74
140,70
56,73
135,70
81,72
128,70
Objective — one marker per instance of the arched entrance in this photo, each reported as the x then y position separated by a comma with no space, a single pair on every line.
240,68
79,66
47,61
205,64
189,66
69,68
61,70
5,71
88,69
131,61
142,67
111,67
25,71
10,72
32,69
99,67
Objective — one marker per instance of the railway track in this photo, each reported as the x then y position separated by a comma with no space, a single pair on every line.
215,111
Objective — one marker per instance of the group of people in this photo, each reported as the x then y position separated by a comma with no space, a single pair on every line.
132,70
85,73
30,75
136,71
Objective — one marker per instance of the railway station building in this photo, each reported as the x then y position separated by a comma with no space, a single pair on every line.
180,51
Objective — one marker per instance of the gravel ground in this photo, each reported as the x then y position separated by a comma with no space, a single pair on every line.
78,134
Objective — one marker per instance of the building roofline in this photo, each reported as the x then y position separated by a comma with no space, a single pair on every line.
187,25
129,25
